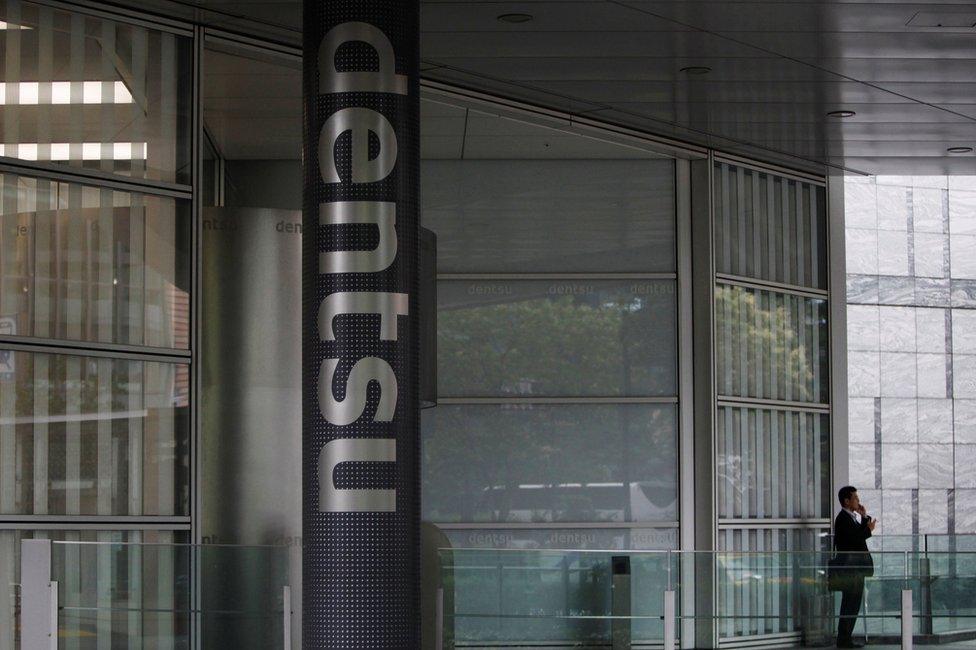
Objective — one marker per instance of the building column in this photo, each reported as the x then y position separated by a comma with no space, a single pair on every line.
360,455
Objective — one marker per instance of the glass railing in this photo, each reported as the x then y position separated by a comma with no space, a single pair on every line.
529,597
165,597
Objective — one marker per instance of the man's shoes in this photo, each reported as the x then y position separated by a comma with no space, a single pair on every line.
849,643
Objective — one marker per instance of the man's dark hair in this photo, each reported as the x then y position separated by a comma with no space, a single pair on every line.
845,493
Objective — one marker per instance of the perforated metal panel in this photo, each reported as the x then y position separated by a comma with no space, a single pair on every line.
361,559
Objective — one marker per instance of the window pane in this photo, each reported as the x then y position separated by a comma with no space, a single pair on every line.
141,574
88,92
556,338
93,436
770,345
762,573
518,216
769,227
773,463
93,264
543,463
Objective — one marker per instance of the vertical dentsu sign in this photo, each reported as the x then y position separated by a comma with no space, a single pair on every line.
361,499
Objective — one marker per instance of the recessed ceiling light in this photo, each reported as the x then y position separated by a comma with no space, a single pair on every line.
696,70
515,18
960,149
841,114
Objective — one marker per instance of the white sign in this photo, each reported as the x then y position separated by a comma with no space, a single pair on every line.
8,326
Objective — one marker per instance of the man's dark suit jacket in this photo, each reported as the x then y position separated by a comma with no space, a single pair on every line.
851,543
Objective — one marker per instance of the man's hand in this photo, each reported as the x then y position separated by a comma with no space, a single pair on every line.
872,523
861,511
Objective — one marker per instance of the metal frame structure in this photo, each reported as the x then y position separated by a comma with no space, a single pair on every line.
696,399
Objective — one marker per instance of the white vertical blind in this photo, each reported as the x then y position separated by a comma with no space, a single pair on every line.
769,228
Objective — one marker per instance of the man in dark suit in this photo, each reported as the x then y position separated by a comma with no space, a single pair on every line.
852,528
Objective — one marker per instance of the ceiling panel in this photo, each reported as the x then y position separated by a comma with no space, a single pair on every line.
777,67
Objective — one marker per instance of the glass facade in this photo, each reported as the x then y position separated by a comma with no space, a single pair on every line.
556,336
95,94
95,293
772,428
564,360
910,330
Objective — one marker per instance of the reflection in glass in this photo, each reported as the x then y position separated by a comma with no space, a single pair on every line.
769,227
556,338
660,537
93,264
550,463
93,436
555,597
770,581
533,216
143,576
770,345
94,93
772,463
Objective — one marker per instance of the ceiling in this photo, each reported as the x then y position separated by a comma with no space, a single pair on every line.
776,69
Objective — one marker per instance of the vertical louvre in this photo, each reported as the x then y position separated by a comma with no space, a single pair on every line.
770,345
79,435
764,576
769,228
101,94
771,464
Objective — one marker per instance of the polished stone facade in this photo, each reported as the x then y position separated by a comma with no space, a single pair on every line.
911,328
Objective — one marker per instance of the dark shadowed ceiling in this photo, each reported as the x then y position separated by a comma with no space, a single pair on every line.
908,70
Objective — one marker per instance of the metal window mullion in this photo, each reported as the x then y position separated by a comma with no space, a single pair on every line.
722,460
816,342
558,400
775,229
818,436
12,74
754,461
742,339
75,377
726,205
42,402
759,260
45,64
792,333
805,465
165,435
135,371
784,217
738,450
108,71
800,241
790,456
741,220
759,342
105,456
91,177
737,453
777,509
104,584
555,276
84,349
729,437
815,232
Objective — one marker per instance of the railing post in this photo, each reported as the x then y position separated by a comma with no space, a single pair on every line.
669,620
286,616
439,620
620,606
39,597
906,619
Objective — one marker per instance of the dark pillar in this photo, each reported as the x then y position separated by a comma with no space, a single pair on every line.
360,456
